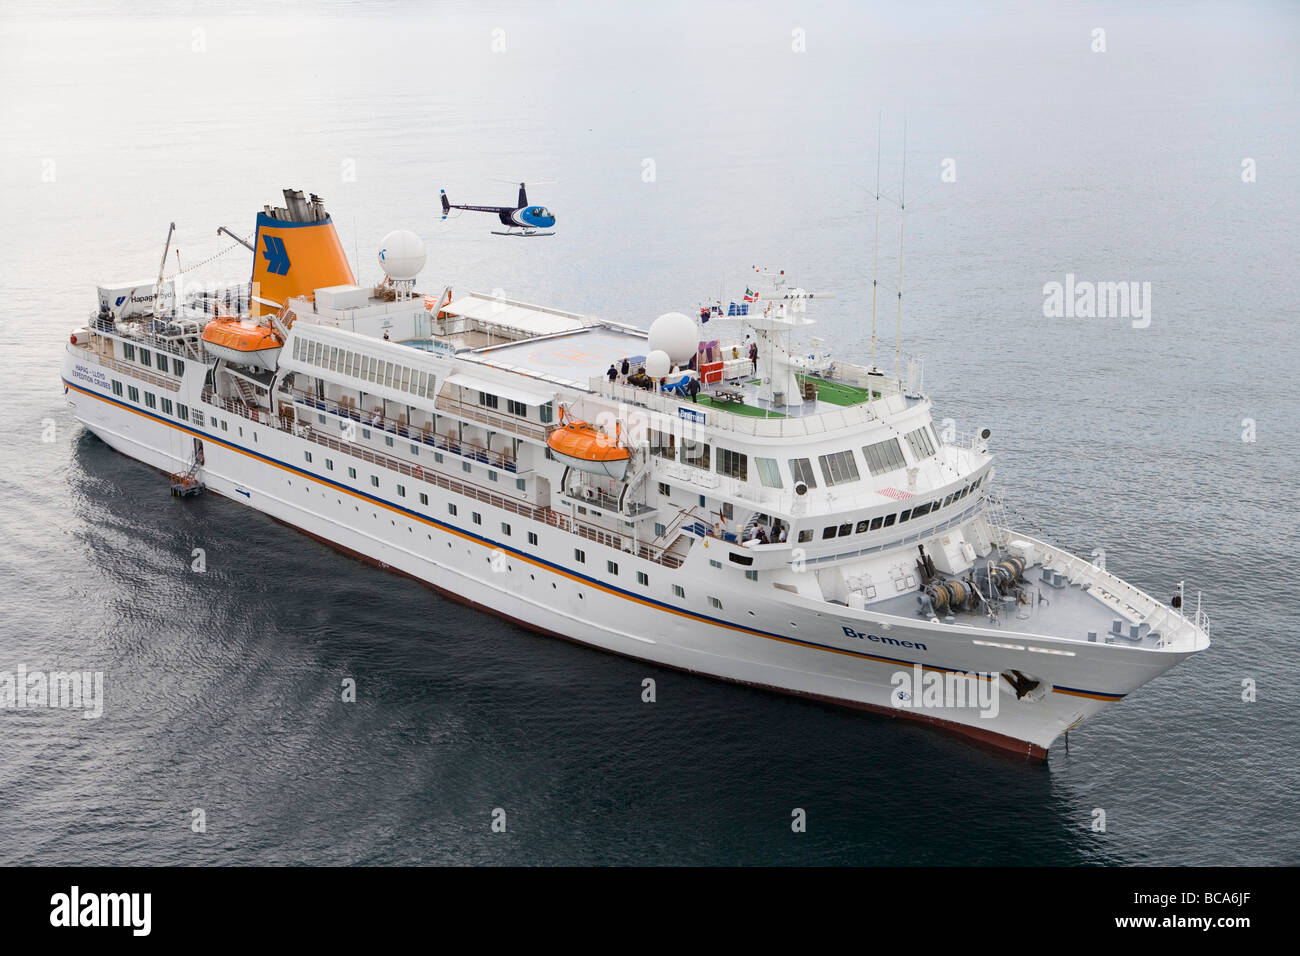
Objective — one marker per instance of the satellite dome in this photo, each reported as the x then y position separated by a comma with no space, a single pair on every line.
657,363
401,255
675,334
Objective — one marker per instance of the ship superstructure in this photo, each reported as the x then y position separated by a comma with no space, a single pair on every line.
706,496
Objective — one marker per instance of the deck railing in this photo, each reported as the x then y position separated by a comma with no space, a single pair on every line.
518,506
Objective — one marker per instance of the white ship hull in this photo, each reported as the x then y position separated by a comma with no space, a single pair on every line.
793,645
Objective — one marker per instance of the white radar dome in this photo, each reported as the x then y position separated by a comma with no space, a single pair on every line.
401,254
676,335
657,363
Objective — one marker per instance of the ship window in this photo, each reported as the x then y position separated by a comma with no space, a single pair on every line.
329,464
580,556
487,400
128,352
437,457
516,408
133,393
884,456
716,603
920,443
182,412
679,591
160,360
947,501
150,400
505,529
904,515
492,475
307,455
733,463
862,526
352,472
768,473
664,489
612,567
167,406
415,450
889,520
660,529
663,444
521,484
876,523
451,510
545,412
752,575
839,467
805,535
374,480
476,517
388,440
401,491
145,357
846,529
716,564
178,367
801,470
424,499
920,510
466,466
532,538
117,387
643,579
695,453
828,532
388,374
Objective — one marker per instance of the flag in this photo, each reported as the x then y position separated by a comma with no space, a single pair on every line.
750,295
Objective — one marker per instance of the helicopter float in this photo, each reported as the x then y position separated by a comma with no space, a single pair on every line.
520,220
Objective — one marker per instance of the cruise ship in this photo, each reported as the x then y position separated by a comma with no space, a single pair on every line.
714,493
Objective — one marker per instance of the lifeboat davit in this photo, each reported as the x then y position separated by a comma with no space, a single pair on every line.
243,342
583,446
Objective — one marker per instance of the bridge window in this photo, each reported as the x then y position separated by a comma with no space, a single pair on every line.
862,526
801,470
839,467
828,532
889,520
884,456
768,473
663,444
846,529
695,453
876,523
733,464
920,510
920,443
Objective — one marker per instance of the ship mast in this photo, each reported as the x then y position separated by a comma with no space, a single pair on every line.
902,207
875,265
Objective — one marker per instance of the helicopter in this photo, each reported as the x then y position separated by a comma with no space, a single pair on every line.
520,220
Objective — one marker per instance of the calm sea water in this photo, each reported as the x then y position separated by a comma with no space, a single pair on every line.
690,142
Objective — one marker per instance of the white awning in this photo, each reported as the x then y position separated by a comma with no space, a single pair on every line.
529,319
498,388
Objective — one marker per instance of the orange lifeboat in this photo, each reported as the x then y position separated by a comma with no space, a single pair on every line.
583,446
242,342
